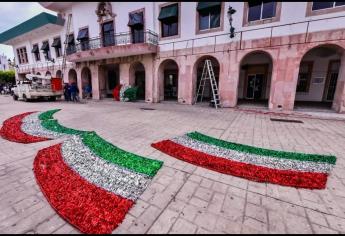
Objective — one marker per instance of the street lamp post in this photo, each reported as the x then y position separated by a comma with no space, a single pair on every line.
231,11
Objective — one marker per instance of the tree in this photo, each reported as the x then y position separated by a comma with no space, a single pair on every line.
7,76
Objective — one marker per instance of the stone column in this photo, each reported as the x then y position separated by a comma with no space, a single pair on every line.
339,96
124,73
95,76
157,76
185,80
228,79
284,79
79,81
149,77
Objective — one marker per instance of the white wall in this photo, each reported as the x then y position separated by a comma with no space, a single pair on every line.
84,15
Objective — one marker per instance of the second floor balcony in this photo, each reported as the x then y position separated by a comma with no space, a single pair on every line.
113,45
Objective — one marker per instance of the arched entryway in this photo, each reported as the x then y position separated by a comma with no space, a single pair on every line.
58,74
197,74
38,73
137,78
318,77
168,80
72,76
254,83
48,73
86,82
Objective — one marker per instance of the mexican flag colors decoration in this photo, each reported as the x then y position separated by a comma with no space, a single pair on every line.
257,164
90,182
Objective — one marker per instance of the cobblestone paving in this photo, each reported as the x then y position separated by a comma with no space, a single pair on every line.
182,198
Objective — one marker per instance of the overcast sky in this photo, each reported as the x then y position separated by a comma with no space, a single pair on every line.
14,13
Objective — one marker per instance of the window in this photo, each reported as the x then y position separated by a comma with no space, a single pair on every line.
46,50
22,55
304,77
325,5
35,50
70,44
108,34
261,10
168,17
83,38
57,45
169,28
136,23
209,15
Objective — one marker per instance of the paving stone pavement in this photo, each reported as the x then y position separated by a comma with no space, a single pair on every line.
182,198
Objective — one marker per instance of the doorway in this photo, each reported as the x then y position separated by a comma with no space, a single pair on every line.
332,79
254,80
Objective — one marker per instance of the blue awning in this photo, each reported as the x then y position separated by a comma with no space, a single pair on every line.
35,49
167,12
202,6
136,19
45,46
83,34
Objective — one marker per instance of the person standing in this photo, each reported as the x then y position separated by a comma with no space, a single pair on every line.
74,92
67,92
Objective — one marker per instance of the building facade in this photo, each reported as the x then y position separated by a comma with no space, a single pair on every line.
275,53
3,63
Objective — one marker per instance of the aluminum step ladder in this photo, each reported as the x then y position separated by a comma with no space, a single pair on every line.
63,66
208,74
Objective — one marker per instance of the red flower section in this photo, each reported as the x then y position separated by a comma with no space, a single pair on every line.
86,206
251,172
116,92
11,130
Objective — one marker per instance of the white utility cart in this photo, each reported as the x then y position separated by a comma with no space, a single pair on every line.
38,86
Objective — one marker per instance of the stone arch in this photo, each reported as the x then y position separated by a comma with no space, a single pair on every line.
318,76
255,76
137,78
72,76
197,72
86,81
58,74
168,76
48,73
38,73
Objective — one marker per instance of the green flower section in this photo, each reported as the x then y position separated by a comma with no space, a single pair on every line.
48,115
54,125
261,151
120,157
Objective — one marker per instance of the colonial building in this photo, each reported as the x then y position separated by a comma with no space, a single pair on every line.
274,53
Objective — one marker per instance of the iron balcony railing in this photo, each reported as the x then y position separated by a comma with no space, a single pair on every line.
240,37
119,39
41,66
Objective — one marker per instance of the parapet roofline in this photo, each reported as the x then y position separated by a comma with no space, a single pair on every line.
29,25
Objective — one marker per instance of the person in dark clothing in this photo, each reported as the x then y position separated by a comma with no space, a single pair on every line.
74,92
67,92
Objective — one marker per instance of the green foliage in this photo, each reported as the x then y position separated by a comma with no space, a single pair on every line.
7,76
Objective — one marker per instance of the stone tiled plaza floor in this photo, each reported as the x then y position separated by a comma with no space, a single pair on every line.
182,198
